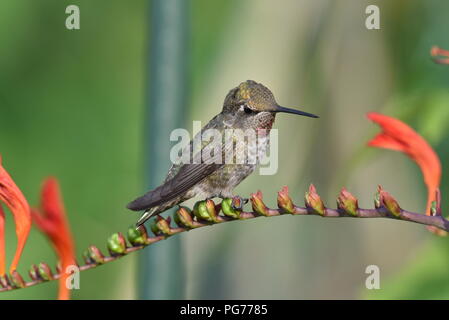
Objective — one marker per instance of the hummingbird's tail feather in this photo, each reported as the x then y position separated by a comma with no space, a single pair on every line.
150,199
142,203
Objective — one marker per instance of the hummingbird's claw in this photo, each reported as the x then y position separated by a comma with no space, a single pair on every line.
238,202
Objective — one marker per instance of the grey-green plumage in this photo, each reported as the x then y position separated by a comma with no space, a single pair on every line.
248,106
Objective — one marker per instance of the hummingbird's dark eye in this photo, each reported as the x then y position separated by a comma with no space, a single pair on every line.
247,110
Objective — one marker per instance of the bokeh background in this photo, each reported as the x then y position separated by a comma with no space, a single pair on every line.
73,105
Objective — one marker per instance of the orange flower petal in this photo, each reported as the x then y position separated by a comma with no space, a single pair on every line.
54,224
398,136
11,195
385,141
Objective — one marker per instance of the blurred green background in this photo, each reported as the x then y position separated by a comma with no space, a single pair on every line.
72,105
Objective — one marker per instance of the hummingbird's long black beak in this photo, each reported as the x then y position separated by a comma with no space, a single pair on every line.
293,111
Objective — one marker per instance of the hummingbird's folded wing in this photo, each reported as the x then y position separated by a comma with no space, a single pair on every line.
187,177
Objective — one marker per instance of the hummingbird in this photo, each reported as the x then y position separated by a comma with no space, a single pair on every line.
250,105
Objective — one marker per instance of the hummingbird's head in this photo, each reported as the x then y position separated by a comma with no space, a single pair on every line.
254,99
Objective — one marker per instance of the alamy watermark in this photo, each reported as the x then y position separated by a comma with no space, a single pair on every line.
373,280
372,21
72,22
73,280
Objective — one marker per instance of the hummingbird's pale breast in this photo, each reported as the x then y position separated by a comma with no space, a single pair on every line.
246,157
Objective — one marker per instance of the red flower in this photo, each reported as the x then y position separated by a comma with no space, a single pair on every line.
436,52
13,198
54,224
398,136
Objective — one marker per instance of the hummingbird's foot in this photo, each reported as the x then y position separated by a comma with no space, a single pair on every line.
238,202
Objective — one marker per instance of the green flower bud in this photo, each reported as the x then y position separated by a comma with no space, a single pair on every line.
257,203
116,244
17,280
285,203
313,201
202,211
34,272
184,217
228,210
137,236
389,203
95,255
45,272
163,225
347,203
